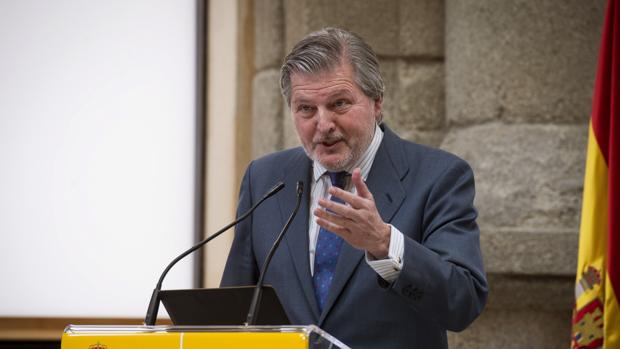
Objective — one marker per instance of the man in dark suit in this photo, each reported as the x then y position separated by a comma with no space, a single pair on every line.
385,250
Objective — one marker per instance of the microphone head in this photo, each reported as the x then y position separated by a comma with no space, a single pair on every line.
300,187
276,188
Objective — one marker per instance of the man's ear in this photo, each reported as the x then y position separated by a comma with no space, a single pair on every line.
378,104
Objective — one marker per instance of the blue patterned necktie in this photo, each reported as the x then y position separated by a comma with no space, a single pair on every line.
327,250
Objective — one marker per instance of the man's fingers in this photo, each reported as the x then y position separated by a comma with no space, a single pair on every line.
360,186
334,228
335,218
353,200
338,208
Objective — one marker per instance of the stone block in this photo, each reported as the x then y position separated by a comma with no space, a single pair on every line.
295,26
429,138
516,329
546,252
521,60
414,100
268,34
536,293
392,93
266,113
528,176
521,312
421,28
376,21
421,100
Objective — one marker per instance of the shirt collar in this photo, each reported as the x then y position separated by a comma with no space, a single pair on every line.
364,162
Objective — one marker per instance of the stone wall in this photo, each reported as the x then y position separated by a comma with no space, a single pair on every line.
506,85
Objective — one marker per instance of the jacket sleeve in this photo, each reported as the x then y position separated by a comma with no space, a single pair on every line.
241,268
443,276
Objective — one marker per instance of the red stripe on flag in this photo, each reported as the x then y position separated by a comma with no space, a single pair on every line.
613,249
606,127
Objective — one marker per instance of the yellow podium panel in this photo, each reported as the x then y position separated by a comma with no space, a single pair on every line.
121,340
195,337
256,340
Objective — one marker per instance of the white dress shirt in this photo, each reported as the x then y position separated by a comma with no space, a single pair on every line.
389,267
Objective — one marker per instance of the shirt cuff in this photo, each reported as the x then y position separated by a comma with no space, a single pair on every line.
389,268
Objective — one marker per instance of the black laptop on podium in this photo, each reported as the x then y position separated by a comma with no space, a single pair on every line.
226,306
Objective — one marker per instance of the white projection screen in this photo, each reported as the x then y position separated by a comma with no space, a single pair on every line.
98,117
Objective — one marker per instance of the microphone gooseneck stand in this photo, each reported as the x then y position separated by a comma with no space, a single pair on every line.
151,313
258,291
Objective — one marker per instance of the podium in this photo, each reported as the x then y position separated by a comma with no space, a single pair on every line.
195,337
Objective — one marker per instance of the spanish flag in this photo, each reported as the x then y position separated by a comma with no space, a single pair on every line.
596,316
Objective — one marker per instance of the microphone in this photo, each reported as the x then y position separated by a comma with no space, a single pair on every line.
258,291
151,313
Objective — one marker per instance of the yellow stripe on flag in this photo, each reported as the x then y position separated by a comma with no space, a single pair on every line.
593,230
591,280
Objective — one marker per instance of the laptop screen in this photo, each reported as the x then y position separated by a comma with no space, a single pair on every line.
226,306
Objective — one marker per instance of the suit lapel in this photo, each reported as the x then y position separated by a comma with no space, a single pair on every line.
296,238
384,182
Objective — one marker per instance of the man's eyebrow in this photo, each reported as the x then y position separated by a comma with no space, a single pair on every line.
299,100
340,93
300,97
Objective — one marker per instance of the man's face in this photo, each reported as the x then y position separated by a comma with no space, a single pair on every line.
335,120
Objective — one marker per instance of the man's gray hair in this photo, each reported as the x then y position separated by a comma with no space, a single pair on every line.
326,49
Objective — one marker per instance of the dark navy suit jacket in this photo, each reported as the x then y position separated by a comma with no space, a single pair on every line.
427,194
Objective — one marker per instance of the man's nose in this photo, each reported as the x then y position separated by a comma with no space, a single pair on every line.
325,122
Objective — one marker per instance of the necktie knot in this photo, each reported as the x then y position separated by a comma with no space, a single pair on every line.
338,178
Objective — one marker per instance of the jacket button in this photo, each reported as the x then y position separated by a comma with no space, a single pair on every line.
417,294
412,292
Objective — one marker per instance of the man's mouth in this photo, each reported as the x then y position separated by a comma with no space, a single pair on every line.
329,143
